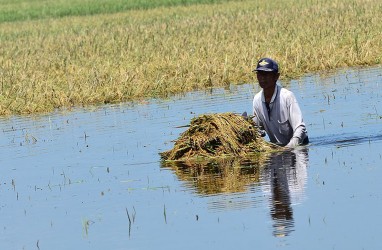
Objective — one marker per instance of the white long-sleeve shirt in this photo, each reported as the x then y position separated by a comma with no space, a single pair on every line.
284,120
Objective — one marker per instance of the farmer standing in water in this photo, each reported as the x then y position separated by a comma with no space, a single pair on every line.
276,109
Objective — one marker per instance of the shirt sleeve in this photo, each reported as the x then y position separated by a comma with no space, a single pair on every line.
256,118
296,120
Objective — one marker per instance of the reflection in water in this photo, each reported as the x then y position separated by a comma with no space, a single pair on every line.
217,176
80,147
283,178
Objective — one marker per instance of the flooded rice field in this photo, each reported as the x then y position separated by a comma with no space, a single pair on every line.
93,179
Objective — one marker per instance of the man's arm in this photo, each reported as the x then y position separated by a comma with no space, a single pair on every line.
258,123
297,124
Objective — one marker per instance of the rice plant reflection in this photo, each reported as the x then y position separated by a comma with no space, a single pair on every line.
280,177
216,176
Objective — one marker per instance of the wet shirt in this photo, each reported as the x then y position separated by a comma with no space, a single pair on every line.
282,118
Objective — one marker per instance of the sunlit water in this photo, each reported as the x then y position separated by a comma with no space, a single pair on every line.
93,179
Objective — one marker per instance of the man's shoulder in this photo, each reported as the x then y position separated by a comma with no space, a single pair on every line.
286,93
257,103
258,96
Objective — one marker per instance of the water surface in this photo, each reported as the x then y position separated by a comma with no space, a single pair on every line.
93,179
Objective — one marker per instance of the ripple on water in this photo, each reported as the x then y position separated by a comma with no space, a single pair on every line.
60,169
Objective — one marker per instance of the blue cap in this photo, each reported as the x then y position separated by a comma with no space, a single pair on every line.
267,64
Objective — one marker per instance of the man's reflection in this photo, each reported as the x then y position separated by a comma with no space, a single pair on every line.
283,178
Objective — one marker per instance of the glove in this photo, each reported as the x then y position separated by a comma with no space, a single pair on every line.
293,142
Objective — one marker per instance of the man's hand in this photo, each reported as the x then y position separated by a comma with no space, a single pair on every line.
262,133
293,143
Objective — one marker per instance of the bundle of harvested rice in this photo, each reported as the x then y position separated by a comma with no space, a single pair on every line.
218,135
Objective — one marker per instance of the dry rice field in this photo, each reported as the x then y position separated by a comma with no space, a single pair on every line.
63,62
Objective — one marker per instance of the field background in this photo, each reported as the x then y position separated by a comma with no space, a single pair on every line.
16,10
60,54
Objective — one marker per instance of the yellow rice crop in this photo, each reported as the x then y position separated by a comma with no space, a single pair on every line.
60,63
219,136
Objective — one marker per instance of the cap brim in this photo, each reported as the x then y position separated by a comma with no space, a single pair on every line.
264,69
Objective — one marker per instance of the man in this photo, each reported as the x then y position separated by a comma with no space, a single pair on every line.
276,109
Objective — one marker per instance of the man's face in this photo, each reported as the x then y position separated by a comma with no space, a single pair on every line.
267,79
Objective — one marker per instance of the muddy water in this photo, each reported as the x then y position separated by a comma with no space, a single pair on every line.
92,179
